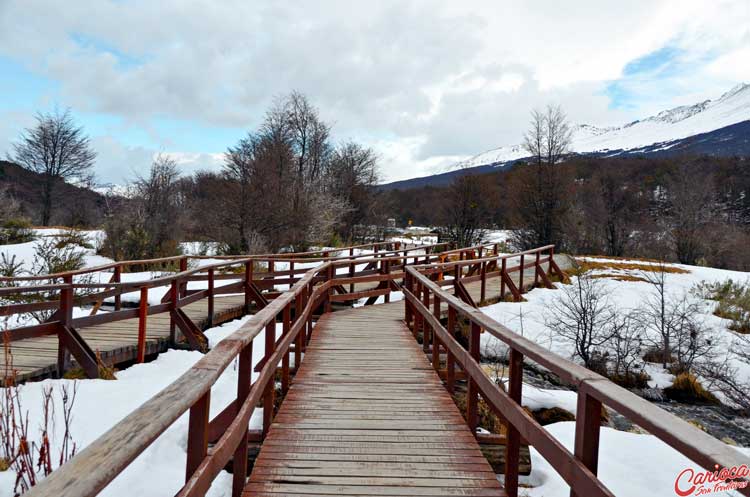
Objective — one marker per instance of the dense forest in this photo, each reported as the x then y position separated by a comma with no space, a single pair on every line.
695,210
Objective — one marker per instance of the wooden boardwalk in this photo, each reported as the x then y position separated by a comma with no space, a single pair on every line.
367,415
117,341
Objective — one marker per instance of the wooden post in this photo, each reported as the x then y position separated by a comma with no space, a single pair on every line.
435,340
269,393
588,424
483,272
503,274
116,279
142,317
387,284
66,316
310,289
299,304
513,443
352,268
551,257
248,282
210,297
285,324
450,374
520,277
425,325
329,276
407,305
417,315
536,269
244,380
183,268
472,394
174,295
197,444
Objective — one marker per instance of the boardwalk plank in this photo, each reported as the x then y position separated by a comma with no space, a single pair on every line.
363,420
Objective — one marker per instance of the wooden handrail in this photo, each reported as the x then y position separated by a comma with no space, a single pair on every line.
578,469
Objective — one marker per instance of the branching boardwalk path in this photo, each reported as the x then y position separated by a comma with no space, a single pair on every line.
367,415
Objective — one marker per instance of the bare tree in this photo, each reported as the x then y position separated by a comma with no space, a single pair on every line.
583,316
540,203
467,210
626,346
352,175
160,197
57,149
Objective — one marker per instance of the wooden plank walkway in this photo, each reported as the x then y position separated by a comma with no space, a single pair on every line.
117,342
367,415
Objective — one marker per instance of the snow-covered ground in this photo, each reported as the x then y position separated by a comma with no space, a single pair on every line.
100,404
529,317
630,465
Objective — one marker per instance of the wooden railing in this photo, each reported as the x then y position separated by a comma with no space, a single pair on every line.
425,302
425,299
255,277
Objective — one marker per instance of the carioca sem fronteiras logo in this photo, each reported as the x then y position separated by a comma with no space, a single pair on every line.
691,482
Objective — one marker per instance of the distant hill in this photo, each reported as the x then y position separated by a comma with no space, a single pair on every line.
714,128
74,205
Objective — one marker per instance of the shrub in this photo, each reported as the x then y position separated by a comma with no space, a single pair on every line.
16,231
687,389
50,259
551,415
733,302
72,237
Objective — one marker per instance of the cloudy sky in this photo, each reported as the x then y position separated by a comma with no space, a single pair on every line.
425,83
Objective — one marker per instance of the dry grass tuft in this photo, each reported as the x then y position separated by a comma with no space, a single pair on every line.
686,388
620,277
587,265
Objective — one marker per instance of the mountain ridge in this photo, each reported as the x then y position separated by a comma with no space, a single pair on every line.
710,127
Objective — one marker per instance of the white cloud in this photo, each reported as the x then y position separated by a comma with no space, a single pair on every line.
439,79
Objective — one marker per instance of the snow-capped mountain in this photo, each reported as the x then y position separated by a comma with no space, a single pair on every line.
665,128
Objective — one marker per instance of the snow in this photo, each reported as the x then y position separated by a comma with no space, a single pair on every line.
24,252
680,122
100,404
630,464
528,317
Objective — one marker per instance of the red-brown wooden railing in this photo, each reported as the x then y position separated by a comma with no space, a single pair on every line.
99,463
423,308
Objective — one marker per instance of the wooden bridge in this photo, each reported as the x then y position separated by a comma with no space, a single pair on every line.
361,401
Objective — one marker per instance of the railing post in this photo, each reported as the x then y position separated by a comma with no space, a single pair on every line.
387,270
425,325
483,272
210,297
285,325
329,276
291,273
450,365
268,395
513,442
417,315
496,249
407,304
299,305
116,279
308,334
197,444
588,424
537,267
352,268
503,275
183,268
174,295
551,257
244,378
142,317
248,282
472,393
520,277
435,341
66,316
